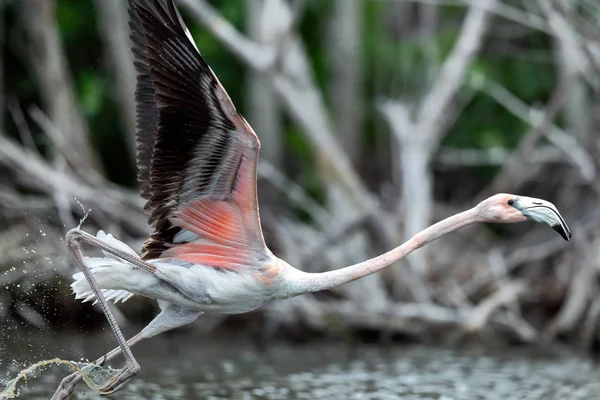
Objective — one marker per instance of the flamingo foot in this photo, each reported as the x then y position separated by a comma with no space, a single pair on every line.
66,387
114,383
117,381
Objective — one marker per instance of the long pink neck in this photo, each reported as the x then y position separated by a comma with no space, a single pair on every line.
314,282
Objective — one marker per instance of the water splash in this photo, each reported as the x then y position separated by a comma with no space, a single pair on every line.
85,212
95,376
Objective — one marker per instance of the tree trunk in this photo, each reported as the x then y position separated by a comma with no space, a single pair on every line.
114,28
56,86
262,106
577,109
346,74
428,26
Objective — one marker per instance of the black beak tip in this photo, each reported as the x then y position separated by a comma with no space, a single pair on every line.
566,234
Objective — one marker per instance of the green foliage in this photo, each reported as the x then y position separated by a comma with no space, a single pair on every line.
92,92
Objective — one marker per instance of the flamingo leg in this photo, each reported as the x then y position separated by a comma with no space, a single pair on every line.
173,316
73,237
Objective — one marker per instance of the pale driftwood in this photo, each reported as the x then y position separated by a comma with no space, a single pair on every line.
507,293
417,318
580,294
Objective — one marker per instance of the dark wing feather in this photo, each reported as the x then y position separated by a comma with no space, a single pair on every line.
146,110
192,143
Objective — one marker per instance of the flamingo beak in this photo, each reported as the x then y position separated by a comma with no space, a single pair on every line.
542,211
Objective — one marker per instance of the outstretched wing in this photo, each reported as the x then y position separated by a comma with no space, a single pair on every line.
196,155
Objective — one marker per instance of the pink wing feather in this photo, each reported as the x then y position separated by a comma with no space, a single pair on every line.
197,156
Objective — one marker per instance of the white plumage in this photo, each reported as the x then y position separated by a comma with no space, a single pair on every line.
110,272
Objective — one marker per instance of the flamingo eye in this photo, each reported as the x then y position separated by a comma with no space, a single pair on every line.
510,202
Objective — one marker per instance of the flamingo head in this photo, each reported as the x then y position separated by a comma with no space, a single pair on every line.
510,208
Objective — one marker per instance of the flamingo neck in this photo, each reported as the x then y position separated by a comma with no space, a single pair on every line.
303,282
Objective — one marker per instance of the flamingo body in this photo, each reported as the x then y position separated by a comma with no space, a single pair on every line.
189,285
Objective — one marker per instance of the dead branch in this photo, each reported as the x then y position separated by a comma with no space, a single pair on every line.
457,157
419,137
19,119
579,295
434,108
259,58
522,17
590,327
295,192
542,123
571,43
34,172
62,147
479,316
523,330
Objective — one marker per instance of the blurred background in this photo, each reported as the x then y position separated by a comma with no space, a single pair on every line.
376,117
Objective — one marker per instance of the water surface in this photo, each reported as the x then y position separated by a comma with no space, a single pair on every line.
186,367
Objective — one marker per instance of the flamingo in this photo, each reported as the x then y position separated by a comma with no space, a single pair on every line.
197,163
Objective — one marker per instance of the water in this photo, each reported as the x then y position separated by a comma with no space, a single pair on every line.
186,367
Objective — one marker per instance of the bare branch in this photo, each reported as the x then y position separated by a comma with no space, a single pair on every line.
63,147
296,86
457,157
294,191
34,172
542,123
580,292
571,43
434,107
506,294
21,124
256,56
